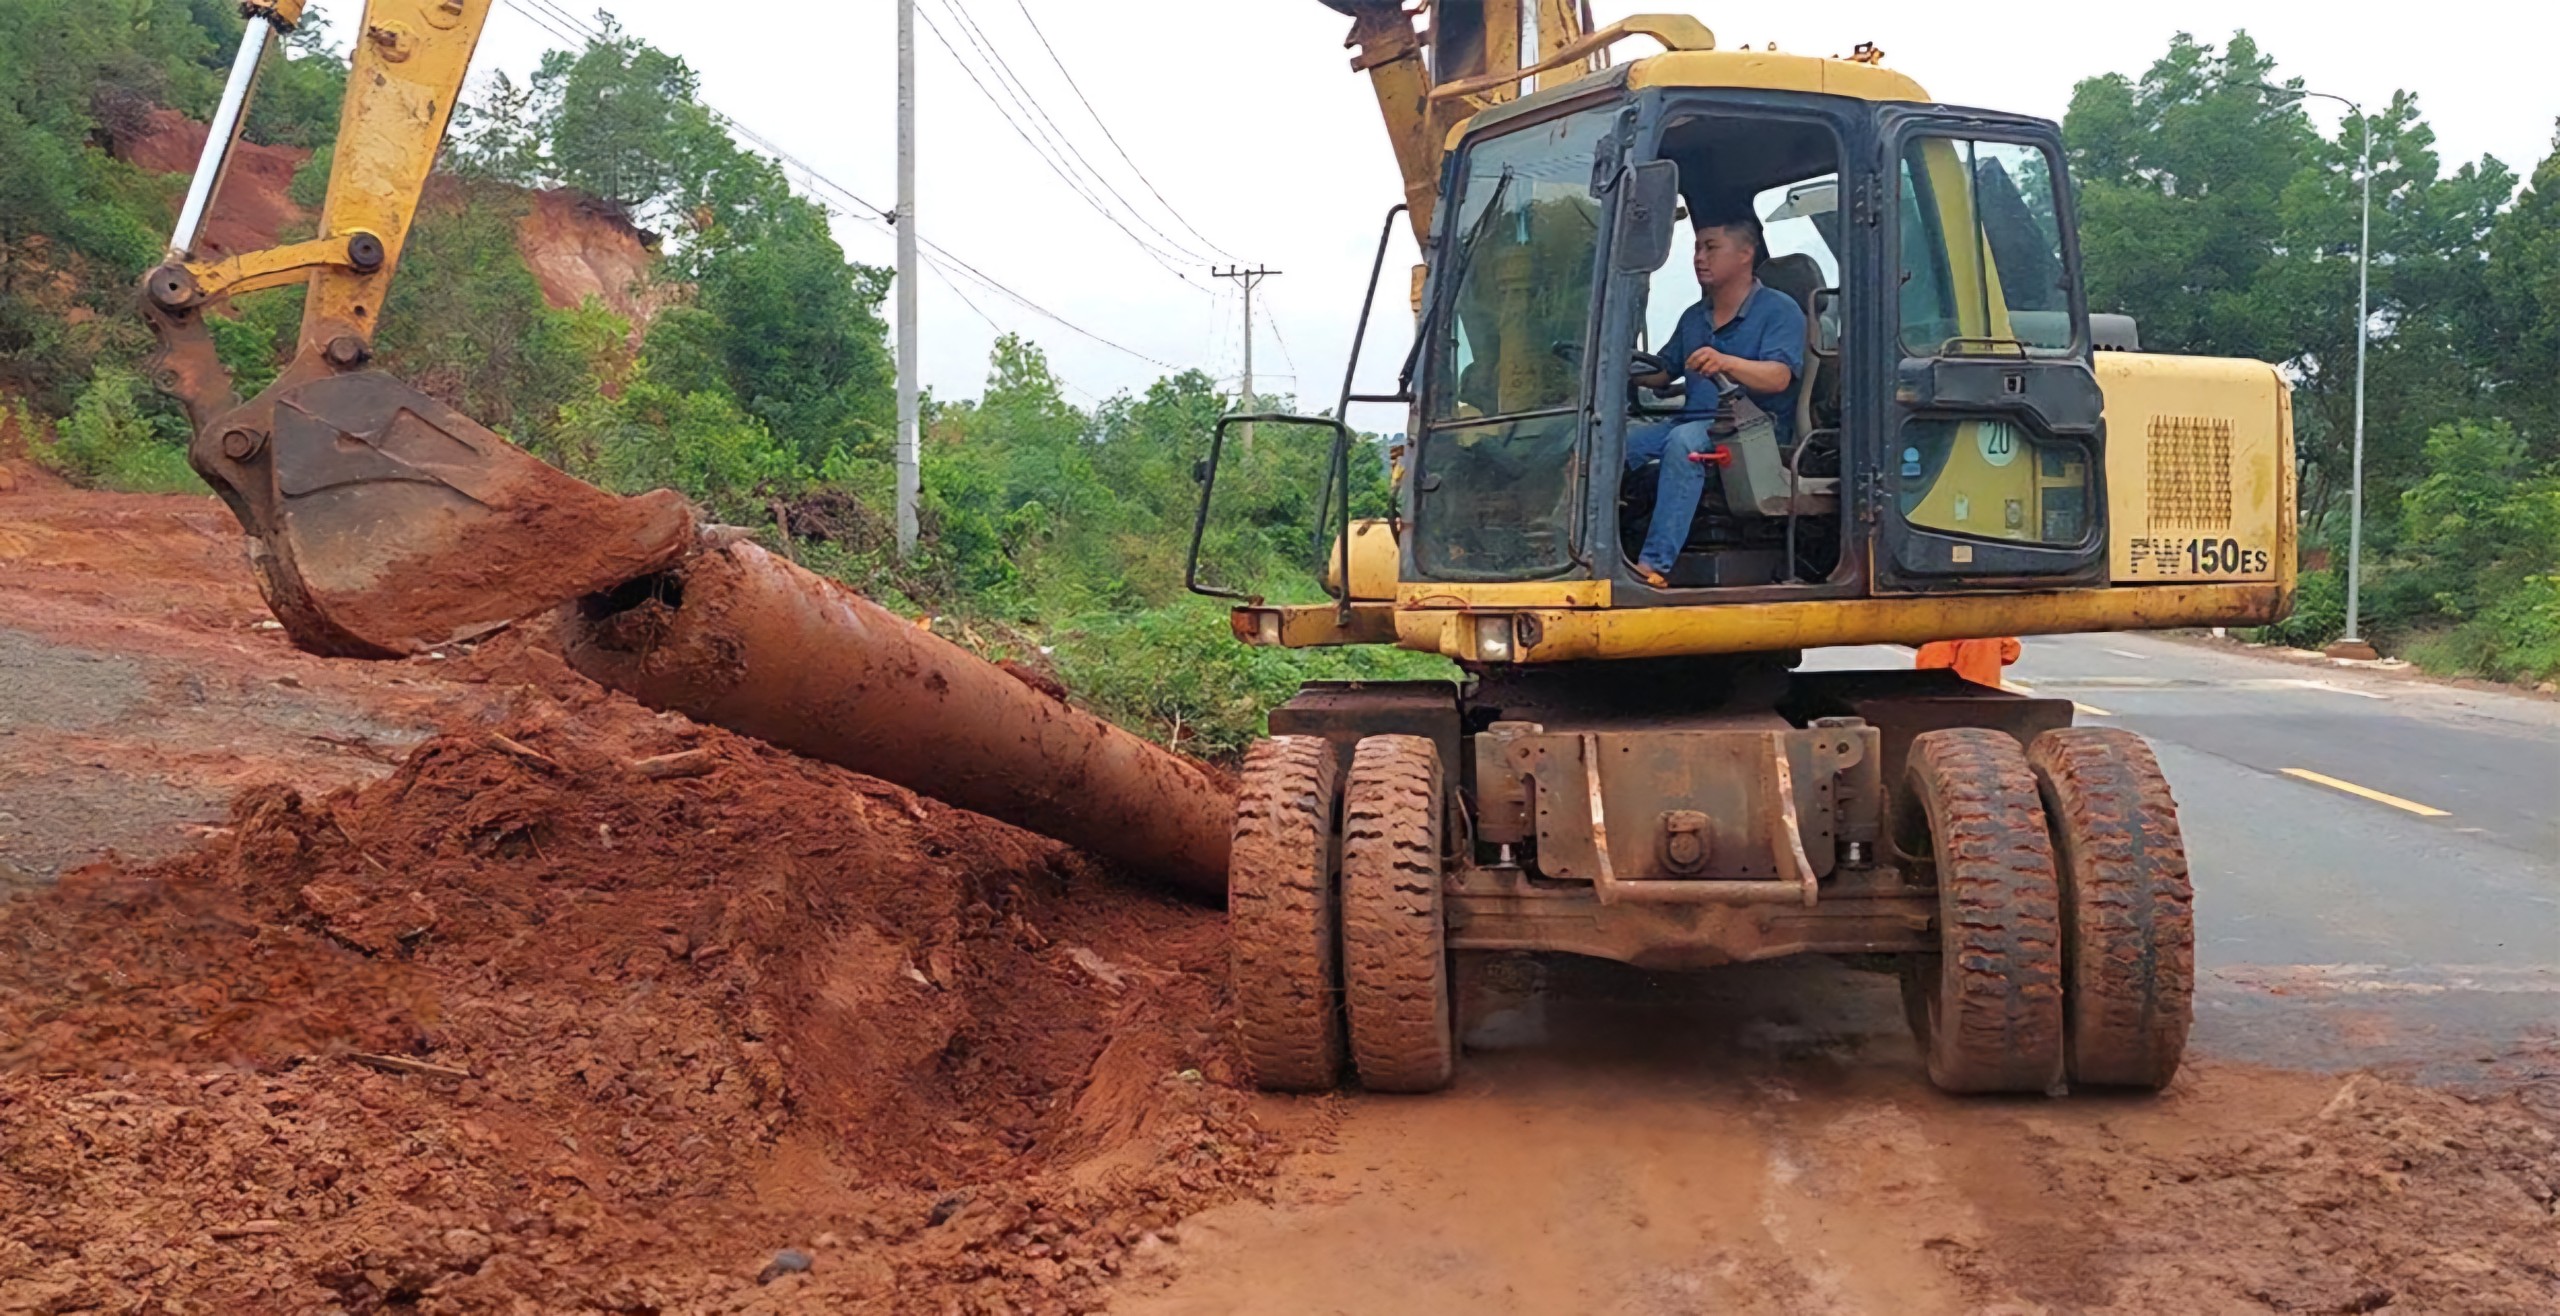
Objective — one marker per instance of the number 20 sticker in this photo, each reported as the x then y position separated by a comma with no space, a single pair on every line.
1998,442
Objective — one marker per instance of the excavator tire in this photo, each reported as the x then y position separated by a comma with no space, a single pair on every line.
1394,944
1988,1006
2128,926
1282,912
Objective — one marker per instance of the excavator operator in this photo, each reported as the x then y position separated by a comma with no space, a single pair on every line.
1741,329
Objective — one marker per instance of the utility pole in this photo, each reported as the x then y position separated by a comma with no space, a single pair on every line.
1246,278
910,478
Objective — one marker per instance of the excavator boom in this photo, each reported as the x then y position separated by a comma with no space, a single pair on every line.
381,522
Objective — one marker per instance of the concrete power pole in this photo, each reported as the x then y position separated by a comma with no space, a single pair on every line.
1246,279
910,478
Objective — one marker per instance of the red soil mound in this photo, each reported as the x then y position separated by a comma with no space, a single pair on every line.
546,1020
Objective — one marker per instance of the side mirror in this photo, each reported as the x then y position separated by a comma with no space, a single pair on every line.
1648,204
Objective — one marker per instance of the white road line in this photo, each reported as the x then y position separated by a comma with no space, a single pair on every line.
2300,683
2127,653
2017,688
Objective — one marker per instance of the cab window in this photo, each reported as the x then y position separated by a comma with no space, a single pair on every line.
1982,255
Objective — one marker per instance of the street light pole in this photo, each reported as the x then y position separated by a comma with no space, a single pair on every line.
2352,643
2364,330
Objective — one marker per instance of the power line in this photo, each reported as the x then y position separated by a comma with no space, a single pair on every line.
538,20
957,291
1153,252
1274,321
1003,69
574,22
879,216
936,254
1110,137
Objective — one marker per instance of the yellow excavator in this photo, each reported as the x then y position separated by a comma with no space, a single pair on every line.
1636,769
1629,770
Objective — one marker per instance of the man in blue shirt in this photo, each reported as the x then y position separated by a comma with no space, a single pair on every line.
1741,329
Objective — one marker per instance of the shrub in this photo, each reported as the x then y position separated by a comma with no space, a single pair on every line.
2319,612
1177,674
118,438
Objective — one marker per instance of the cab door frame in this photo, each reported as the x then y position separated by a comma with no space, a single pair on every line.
2052,396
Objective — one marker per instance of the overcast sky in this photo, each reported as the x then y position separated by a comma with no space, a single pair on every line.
1244,114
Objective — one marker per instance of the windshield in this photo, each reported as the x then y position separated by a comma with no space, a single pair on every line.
1495,474
1982,255
1528,225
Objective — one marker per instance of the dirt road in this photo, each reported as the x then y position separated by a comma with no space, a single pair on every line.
1763,1141
776,1006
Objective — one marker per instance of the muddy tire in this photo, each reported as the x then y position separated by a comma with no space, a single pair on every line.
2128,927
1282,910
1988,1008
1394,946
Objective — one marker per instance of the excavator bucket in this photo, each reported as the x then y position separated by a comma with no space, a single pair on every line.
383,522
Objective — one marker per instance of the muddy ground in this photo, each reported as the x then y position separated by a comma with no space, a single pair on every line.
339,986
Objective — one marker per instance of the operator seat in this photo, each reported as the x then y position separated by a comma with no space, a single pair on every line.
1799,276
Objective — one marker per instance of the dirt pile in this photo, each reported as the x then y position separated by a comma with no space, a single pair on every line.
2389,1197
579,248
603,1010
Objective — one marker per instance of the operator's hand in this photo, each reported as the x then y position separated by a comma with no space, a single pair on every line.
1707,361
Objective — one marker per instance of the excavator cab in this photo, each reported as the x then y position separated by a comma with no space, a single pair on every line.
1947,363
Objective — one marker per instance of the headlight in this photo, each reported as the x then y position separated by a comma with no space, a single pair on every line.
1493,638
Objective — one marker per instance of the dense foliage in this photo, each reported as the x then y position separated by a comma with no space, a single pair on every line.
2215,213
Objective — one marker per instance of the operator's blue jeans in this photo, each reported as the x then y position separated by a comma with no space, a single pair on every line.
1684,482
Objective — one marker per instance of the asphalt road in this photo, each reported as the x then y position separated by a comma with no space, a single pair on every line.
2376,858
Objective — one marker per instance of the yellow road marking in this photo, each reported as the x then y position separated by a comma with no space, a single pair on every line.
2378,797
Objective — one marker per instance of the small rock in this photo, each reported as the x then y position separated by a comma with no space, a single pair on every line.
468,1246
826,1240
788,1261
946,1208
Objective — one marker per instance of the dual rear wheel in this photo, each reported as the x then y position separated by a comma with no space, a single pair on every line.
2066,927
1333,896
2066,932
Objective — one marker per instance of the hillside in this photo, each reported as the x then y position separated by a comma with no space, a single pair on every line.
577,247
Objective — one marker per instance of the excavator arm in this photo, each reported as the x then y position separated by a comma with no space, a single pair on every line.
1438,63
381,522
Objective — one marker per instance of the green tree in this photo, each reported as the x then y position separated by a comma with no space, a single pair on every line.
468,324
2521,335
2214,213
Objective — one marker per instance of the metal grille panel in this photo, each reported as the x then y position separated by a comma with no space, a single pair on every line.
2189,472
